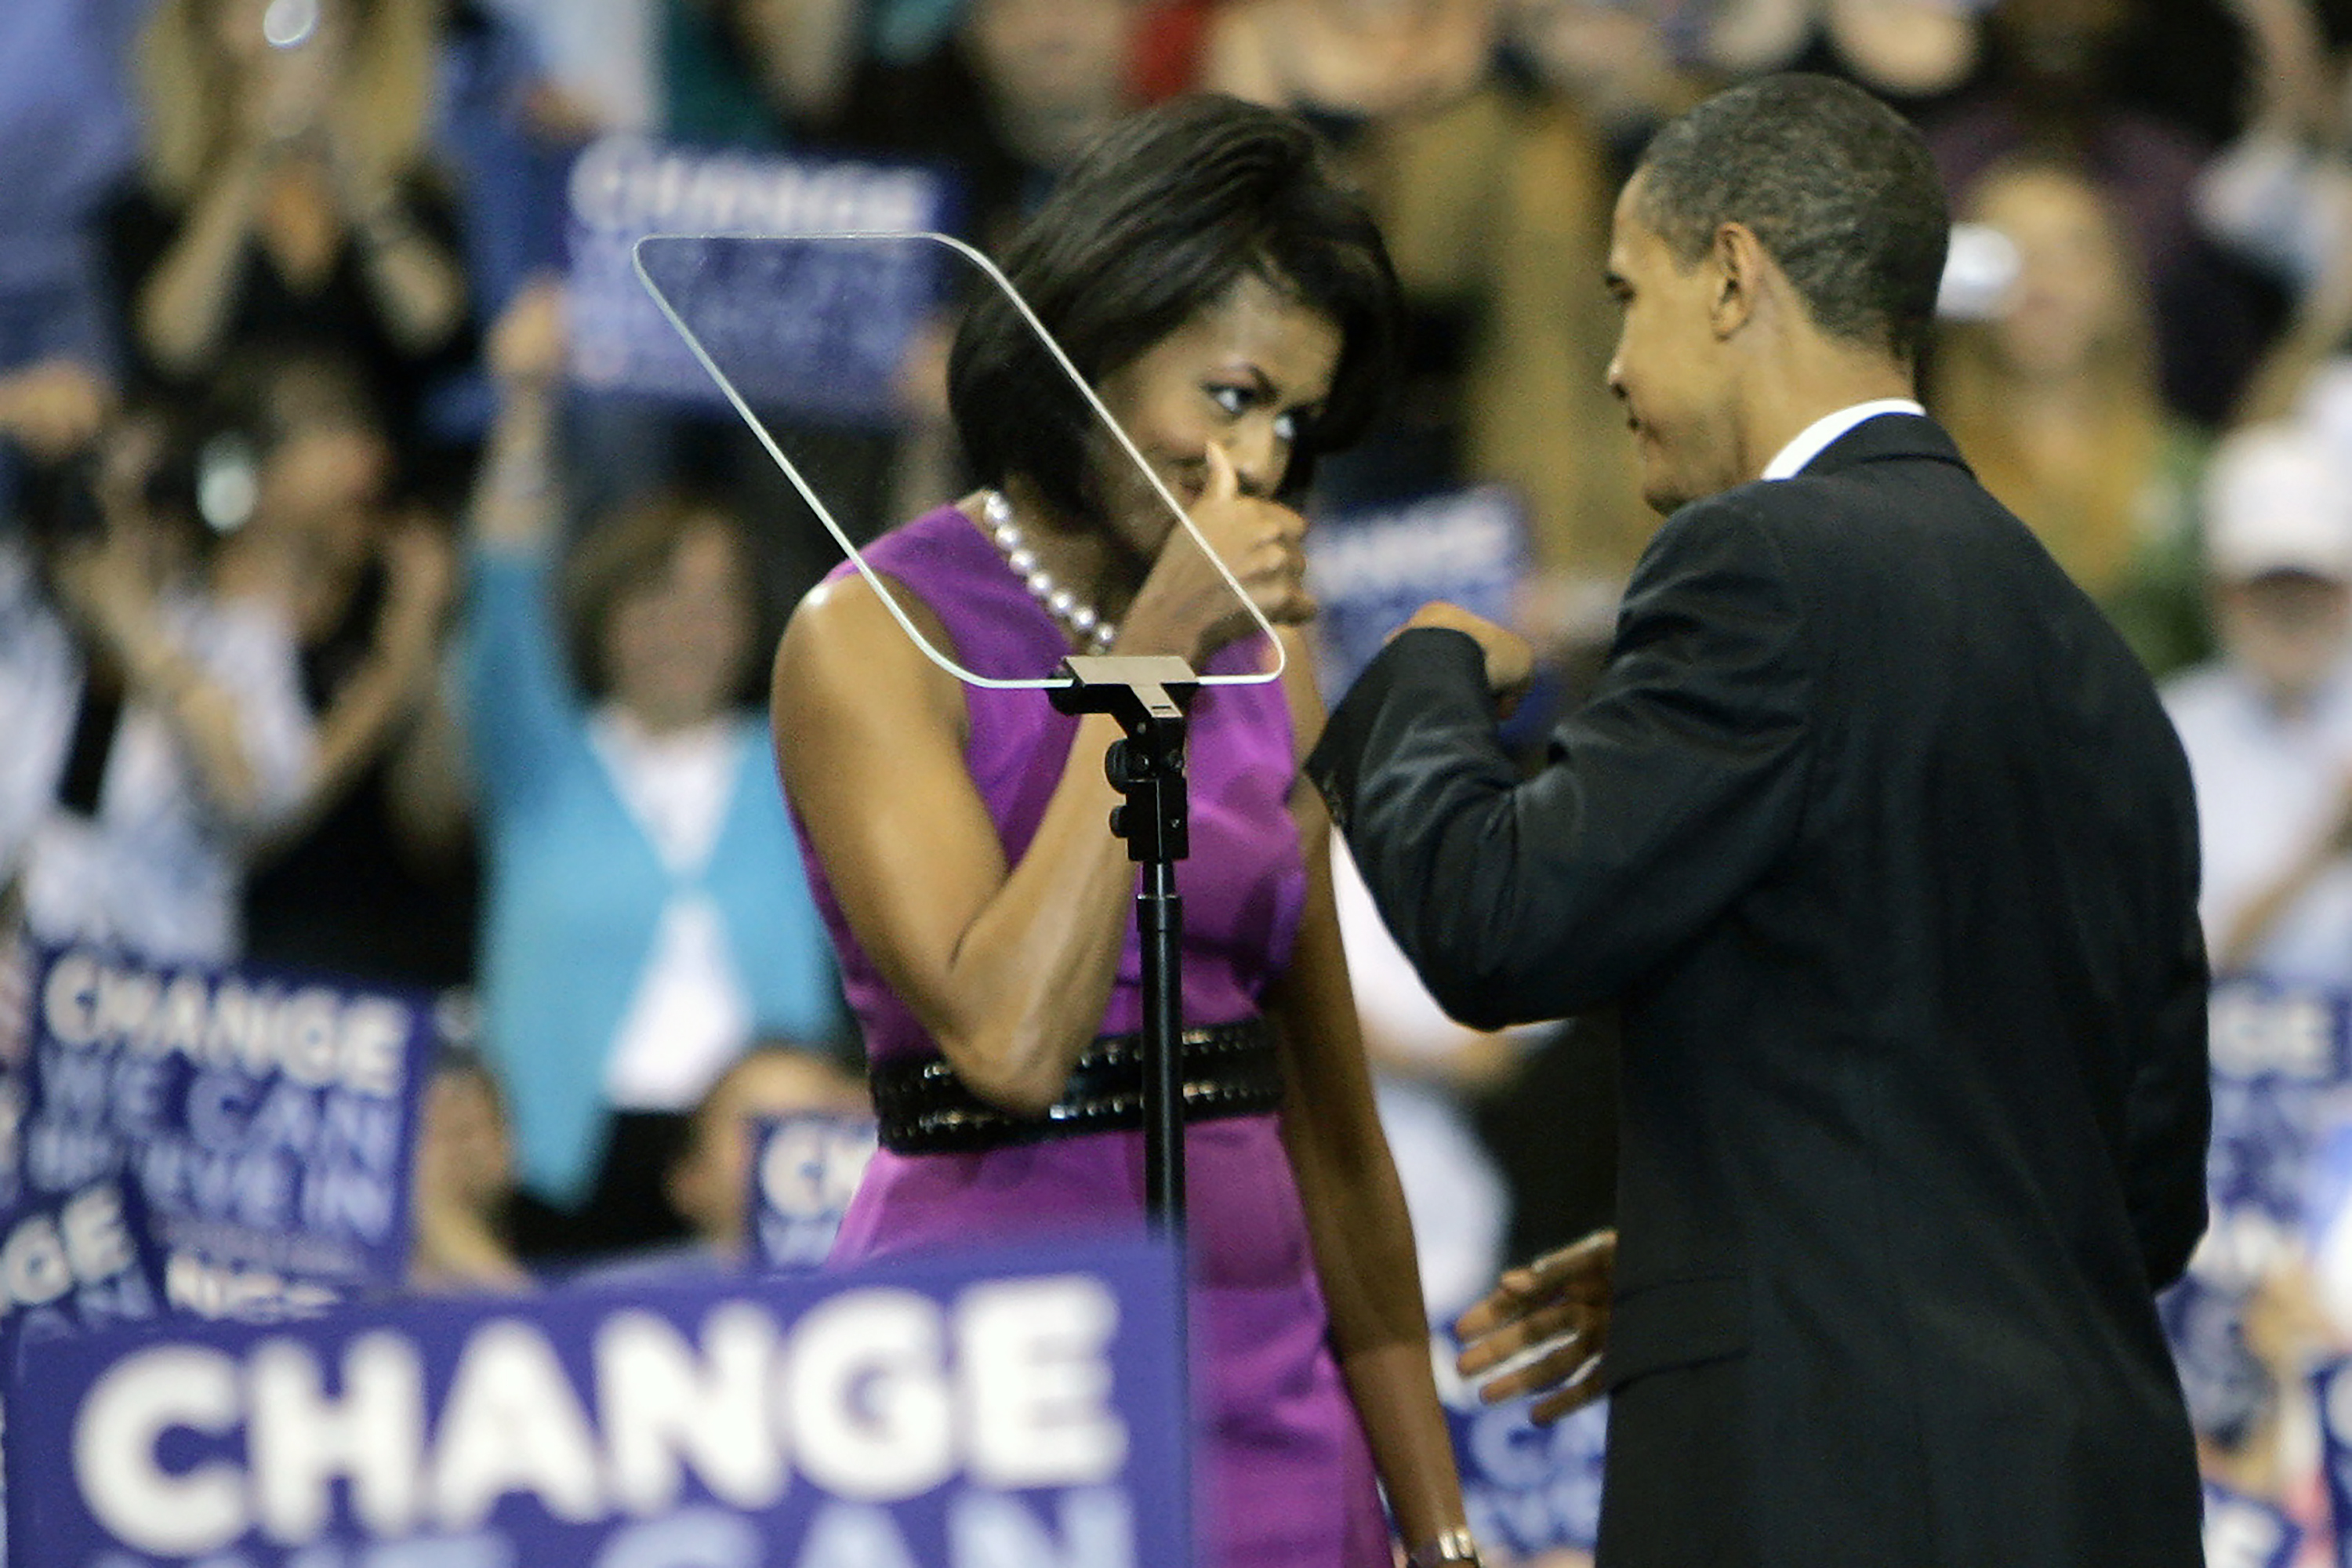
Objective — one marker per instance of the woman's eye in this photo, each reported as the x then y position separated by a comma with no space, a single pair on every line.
1233,400
1285,430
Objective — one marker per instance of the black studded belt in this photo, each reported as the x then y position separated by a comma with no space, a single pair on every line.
1226,1069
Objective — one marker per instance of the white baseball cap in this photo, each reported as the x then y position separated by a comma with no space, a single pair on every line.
2278,498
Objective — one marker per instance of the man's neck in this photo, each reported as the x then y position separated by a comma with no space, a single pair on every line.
1786,410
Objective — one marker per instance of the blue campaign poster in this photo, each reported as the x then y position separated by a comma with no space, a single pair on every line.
1369,570
804,1169
814,331
266,1119
996,1409
2247,1533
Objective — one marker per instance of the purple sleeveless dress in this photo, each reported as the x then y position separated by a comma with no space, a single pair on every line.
1280,1468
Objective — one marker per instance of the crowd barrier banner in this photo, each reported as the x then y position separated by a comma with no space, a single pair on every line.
1369,570
804,1169
808,332
1526,1488
1008,1409
266,1119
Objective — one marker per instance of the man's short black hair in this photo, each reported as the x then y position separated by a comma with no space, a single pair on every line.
1156,222
1840,189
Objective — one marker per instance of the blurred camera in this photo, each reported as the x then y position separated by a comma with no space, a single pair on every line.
1979,270
59,500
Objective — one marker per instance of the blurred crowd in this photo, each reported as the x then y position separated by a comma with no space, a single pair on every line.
340,628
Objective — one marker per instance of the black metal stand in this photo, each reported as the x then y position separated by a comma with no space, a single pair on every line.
1149,697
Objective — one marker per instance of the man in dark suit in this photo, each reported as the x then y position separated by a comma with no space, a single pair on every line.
1878,837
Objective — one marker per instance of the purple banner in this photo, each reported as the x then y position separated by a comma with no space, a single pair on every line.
266,1118
804,1169
1022,1409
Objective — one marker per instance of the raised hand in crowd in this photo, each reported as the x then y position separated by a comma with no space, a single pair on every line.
395,682
110,586
515,503
291,145
54,407
1543,1329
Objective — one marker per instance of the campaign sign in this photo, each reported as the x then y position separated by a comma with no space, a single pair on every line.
81,1261
2282,1065
804,1169
975,1413
266,1118
2332,1394
1526,1488
72,1263
814,330
1370,570
2247,1533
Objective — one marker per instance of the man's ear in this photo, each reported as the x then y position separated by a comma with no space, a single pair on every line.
1740,266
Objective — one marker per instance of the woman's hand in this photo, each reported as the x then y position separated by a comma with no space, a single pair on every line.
1187,607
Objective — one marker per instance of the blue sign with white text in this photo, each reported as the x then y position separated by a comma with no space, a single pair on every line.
819,329
265,1118
804,1169
1016,1408
1370,570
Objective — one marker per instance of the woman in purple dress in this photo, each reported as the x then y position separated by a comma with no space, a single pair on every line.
1233,310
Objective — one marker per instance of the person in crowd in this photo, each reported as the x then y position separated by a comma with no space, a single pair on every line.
710,1184
287,196
1908,52
2268,723
1880,838
757,73
296,474
476,1228
1494,201
2280,193
67,140
156,729
1005,101
1233,306
2053,89
646,918
2051,395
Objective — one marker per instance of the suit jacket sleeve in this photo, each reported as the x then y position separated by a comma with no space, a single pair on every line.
2169,1115
1670,792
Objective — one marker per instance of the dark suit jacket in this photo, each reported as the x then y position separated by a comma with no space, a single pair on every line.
1878,835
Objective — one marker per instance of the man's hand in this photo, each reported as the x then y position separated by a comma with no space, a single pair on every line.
1510,662
1549,1320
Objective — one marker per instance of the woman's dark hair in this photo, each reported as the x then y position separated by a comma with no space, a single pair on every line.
632,547
1156,222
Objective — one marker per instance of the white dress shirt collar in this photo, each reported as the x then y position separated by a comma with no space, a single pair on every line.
1815,439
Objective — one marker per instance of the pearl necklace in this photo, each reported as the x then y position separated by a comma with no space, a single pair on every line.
1093,632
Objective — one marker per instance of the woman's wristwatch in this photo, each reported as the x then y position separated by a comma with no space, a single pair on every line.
1454,1546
